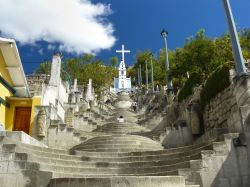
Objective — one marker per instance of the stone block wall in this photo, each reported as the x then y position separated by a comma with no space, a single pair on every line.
223,112
36,83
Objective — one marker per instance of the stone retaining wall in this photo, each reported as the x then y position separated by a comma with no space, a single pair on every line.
223,112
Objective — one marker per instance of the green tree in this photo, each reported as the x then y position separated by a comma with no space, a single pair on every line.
43,68
245,42
113,61
83,68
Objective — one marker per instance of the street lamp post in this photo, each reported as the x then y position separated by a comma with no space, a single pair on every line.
140,75
146,63
237,52
164,35
152,72
138,72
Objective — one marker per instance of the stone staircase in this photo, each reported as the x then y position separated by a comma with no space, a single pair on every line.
118,143
112,157
166,181
121,128
56,163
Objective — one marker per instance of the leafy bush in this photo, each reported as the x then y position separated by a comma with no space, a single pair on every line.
187,89
216,82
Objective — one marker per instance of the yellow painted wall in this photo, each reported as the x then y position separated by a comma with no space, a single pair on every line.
10,114
21,102
4,92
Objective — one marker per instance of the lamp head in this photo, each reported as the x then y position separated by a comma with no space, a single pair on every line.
164,33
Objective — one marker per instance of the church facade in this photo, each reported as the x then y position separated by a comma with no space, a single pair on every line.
122,83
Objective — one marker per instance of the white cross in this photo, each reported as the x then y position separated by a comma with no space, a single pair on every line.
123,51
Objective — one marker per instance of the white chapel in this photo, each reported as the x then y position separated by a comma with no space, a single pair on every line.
122,83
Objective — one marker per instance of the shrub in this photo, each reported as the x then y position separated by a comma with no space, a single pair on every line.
216,82
187,89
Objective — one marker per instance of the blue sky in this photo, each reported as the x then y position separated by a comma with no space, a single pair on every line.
138,23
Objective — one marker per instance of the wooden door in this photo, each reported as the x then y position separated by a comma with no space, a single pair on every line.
22,119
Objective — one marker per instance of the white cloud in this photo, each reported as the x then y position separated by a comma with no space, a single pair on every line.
51,47
76,25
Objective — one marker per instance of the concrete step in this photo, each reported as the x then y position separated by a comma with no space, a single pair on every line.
125,137
207,153
189,173
12,166
44,149
138,159
121,130
101,168
196,164
124,181
121,126
78,163
12,148
129,164
117,146
25,177
79,175
109,124
136,146
119,141
113,171
121,150
94,159
127,142
220,148
147,154
116,129
132,145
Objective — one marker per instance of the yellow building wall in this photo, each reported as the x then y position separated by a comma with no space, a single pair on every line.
7,115
4,92
21,102
10,114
